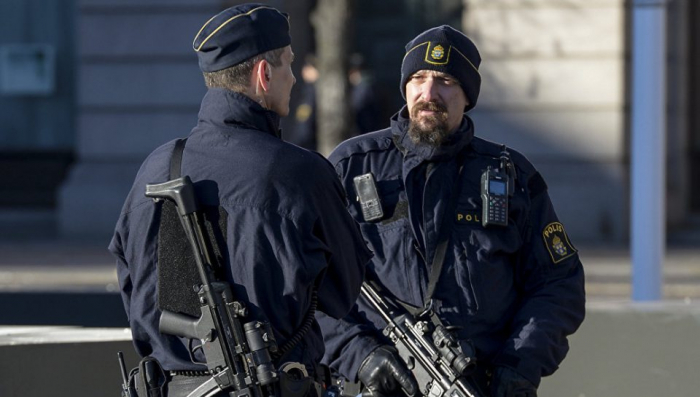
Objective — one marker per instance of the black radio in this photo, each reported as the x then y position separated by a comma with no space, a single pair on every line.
494,198
497,185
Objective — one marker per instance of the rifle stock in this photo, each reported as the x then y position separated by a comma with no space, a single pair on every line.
236,368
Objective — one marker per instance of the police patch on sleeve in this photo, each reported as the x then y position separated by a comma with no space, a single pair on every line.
557,242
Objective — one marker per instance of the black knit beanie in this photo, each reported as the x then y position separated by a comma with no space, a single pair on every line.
444,49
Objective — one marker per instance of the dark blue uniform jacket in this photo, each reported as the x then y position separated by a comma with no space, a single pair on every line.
288,228
515,291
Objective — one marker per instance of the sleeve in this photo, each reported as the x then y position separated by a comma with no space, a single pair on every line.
550,279
349,339
123,277
347,252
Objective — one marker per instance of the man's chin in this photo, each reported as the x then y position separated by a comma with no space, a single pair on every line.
426,126
427,133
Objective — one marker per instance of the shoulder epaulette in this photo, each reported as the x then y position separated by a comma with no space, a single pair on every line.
373,141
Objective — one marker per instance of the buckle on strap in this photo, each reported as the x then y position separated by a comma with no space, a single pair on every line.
190,373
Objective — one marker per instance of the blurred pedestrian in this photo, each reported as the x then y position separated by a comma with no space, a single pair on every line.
366,107
303,130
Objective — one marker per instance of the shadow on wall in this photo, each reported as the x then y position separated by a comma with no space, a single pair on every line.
587,184
589,192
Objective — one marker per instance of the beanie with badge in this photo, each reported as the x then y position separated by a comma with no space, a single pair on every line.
447,50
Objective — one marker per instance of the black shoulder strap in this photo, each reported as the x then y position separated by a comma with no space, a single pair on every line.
447,221
176,159
176,275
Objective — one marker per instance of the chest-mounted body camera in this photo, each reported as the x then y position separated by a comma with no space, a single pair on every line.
368,197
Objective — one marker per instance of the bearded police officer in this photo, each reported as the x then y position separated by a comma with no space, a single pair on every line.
281,209
510,282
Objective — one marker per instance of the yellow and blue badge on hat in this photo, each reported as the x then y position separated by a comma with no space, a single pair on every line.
437,55
557,242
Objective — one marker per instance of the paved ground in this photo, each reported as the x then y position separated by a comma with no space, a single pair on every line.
52,266
36,278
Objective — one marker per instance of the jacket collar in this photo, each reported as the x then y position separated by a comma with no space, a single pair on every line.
225,108
457,141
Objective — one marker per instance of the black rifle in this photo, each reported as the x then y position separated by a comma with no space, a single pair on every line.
429,350
237,352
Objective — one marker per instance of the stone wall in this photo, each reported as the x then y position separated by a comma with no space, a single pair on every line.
138,86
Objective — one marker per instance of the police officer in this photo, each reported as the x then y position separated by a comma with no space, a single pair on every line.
303,131
286,229
513,291
364,97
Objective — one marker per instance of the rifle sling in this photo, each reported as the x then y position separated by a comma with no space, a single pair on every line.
444,234
176,159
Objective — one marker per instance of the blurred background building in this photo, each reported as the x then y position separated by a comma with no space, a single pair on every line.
89,87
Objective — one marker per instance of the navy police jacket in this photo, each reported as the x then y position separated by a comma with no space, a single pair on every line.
516,292
287,229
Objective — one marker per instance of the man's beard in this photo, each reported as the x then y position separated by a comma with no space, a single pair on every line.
429,130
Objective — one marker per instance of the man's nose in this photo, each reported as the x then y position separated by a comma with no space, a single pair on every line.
428,90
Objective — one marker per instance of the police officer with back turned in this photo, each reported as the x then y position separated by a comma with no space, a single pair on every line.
279,212
509,283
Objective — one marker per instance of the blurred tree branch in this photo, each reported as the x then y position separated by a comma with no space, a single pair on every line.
331,20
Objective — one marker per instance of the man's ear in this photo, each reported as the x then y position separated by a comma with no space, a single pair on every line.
262,74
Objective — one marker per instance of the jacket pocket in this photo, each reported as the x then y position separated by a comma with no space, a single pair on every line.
393,262
485,267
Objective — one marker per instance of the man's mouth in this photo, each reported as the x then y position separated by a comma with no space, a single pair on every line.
429,109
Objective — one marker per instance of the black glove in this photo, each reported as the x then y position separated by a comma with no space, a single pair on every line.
384,374
508,383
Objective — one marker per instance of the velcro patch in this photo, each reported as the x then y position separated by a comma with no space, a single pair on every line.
557,242
178,276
